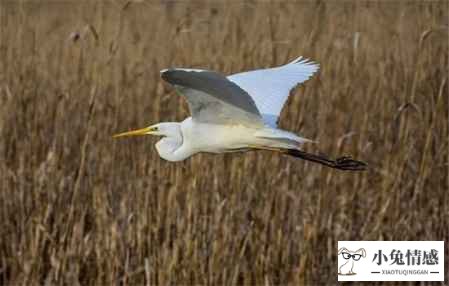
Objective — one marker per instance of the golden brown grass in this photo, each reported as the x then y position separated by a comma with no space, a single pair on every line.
79,207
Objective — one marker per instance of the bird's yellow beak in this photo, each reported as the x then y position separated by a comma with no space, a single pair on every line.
138,132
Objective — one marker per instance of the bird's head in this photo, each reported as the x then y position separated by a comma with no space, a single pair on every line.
166,147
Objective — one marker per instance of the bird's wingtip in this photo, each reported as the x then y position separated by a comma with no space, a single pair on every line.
305,61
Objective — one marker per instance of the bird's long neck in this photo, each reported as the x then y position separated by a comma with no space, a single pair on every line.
168,146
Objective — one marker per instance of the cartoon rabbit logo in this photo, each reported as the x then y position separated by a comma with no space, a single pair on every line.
347,267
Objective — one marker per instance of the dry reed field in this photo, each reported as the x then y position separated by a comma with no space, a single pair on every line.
78,207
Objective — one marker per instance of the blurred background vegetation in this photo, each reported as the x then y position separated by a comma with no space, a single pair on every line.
77,207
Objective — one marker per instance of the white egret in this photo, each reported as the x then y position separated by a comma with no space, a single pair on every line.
235,113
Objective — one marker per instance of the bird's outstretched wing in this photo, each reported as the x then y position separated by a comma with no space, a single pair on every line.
212,98
271,87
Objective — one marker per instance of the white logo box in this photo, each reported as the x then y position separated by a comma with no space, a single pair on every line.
390,261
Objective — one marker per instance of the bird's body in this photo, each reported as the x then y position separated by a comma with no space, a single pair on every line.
220,138
235,113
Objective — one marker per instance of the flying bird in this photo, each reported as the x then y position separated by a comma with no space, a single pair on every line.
236,113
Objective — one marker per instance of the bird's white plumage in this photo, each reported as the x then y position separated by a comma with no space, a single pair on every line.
235,112
271,87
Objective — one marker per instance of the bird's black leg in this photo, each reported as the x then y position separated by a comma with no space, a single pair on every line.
342,163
